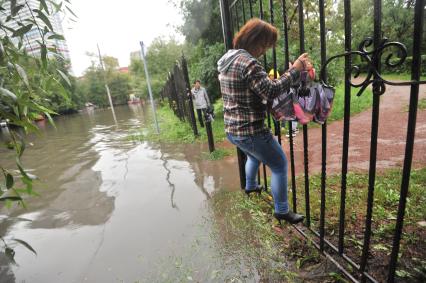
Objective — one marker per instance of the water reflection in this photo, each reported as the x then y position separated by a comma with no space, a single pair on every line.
171,185
111,209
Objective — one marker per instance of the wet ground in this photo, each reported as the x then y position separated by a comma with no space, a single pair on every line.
113,210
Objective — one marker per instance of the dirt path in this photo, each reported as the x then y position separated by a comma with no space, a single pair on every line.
391,137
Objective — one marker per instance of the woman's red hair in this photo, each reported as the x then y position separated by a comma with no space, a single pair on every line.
255,36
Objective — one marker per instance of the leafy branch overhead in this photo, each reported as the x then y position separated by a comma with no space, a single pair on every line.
33,74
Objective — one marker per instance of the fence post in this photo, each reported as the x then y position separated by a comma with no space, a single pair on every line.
209,132
188,92
227,36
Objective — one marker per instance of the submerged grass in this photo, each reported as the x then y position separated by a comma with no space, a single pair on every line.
218,154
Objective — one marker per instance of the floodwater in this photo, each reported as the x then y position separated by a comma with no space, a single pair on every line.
114,210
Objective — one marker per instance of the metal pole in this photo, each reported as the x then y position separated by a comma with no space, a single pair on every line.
411,131
149,88
106,85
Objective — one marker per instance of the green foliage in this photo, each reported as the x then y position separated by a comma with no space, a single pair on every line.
201,21
405,68
172,130
91,87
29,85
203,66
161,56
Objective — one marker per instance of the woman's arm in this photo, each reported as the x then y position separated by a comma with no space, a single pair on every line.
267,89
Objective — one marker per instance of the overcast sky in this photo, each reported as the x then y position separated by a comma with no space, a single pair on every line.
117,26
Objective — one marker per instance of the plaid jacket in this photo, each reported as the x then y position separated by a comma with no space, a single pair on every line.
245,88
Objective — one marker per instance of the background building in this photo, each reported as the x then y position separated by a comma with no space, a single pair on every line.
34,36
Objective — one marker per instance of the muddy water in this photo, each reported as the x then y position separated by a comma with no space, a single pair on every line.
111,209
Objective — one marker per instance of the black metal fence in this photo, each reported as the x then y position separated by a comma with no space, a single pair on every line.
177,90
234,13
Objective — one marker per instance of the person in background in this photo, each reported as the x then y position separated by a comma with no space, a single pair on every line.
201,100
244,85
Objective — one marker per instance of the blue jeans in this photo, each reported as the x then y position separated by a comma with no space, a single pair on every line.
264,148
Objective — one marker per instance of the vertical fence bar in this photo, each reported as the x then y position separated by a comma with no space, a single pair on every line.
373,144
324,130
226,23
188,93
411,131
265,180
244,11
305,127
237,17
251,16
287,62
277,126
227,36
209,132
346,124
285,28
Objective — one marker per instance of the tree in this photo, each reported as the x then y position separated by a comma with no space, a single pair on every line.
161,56
92,86
201,21
26,82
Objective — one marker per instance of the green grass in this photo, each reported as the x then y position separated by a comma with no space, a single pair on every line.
386,199
251,219
422,104
244,233
358,103
173,130
400,77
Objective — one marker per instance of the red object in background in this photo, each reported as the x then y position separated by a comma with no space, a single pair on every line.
311,73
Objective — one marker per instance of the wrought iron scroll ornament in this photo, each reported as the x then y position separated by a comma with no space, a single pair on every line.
371,57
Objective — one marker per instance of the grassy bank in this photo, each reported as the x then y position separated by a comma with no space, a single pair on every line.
244,231
400,77
173,130
258,219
